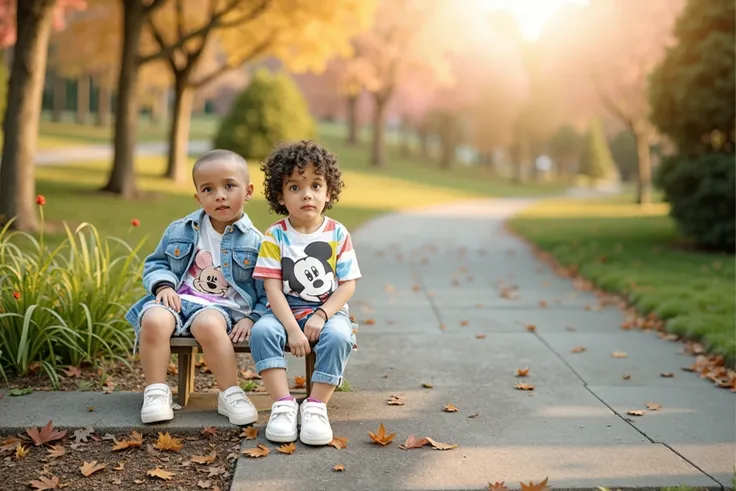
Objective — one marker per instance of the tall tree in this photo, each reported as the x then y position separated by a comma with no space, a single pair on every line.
34,20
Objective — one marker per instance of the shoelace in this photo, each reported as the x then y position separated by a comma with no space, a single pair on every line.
237,398
281,410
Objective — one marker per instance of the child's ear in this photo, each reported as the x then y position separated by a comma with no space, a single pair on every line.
196,196
249,192
281,199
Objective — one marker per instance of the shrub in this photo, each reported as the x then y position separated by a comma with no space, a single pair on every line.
65,306
596,161
702,199
271,109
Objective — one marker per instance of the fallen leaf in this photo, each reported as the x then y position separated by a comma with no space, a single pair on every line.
395,400
480,335
89,468
626,376
21,451
119,467
427,386
522,372
73,372
250,433
139,481
390,288
578,349
160,473
416,288
369,322
299,382
9,444
56,451
90,409
413,442
260,451
635,413
288,448
463,323
381,437
543,304
531,327
338,468
209,431
540,486
204,459
167,442
666,374
117,481
44,483
474,415
135,440
81,435
520,386
450,408
47,434
216,471
204,484
653,406
339,442
441,446
619,354
497,486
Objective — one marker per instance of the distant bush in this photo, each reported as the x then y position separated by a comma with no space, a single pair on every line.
270,110
702,200
596,162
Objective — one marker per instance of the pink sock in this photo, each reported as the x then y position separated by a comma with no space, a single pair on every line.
312,399
286,398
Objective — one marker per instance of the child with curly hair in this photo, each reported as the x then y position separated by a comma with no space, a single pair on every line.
309,270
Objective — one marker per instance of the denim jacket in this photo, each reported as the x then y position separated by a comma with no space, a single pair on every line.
175,252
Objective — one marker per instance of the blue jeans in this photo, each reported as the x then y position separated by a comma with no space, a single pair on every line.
268,340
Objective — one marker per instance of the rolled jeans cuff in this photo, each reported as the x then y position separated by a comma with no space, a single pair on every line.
326,378
276,362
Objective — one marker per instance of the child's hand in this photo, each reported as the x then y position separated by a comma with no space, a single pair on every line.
313,327
241,331
169,298
298,343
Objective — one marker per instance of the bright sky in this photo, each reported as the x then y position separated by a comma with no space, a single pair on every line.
531,15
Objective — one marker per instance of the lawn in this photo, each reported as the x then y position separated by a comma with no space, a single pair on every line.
641,255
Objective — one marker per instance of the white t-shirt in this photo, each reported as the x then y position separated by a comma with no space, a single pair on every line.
205,282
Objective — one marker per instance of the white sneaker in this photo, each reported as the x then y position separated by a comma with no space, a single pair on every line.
281,425
316,428
234,404
157,404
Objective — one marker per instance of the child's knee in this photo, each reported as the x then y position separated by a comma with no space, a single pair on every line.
267,328
208,325
157,324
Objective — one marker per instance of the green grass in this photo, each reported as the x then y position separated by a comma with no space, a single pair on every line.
641,255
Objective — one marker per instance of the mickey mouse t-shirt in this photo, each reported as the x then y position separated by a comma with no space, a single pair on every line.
310,266
204,282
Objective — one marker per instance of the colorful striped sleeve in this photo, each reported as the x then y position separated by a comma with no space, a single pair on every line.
268,264
347,263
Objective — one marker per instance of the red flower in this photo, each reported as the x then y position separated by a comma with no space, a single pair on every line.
16,295
40,200
135,222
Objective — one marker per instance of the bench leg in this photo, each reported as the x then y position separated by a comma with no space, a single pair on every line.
186,376
309,369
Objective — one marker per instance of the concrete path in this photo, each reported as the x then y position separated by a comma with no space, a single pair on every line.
87,153
432,283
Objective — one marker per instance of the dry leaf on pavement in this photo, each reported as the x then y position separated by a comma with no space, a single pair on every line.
578,349
47,434
497,486
9,444
21,451
381,437
413,442
299,382
626,376
338,468
160,473
666,374
89,468
395,400
81,435
531,327
520,386
45,483
480,335
339,442
119,467
250,433
522,372
450,408
72,372
441,446
204,484
135,440
56,451
619,354
260,451
288,449
653,406
540,486
635,413
427,386
209,431
167,442
205,459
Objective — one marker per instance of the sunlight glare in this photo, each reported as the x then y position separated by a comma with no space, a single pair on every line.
531,15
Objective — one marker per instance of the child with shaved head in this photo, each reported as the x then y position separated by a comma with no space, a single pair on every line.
200,283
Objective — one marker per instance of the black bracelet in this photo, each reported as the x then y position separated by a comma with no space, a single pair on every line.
323,311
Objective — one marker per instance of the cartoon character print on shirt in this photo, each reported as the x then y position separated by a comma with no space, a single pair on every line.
208,279
311,277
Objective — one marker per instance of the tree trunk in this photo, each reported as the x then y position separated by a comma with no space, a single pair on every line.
159,107
122,175
82,99
523,158
22,113
57,112
423,131
405,136
447,141
103,103
352,108
179,132
378,150
644,183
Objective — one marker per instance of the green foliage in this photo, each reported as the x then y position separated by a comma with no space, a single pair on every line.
344,386
693,90
702,194
623,151
596,161
270,110
249,385
566,147
65,306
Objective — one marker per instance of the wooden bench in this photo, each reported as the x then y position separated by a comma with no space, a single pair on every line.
186,347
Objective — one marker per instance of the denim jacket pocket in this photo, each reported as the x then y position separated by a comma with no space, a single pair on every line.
244,261
177,253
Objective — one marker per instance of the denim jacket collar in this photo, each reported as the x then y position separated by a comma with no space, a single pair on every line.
196,218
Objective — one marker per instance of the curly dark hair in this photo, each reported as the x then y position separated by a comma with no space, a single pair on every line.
282,161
